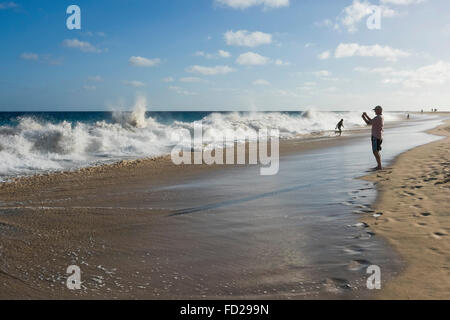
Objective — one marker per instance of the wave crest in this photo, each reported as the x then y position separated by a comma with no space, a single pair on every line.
37,145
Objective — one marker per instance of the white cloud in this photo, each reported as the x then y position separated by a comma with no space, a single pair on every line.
357,11
331,89
252,59
324,23
244,4
306,88
434,74
49,59
84,46
183,91
281,63
261,82
245,38
255,59
29,56
192,80
210,71
353,49
402,2
374,70
134,83
224,54
324,55
95,78
91,34
42,58
143,62
322,73
219,54
89,88
284,93
202,54
8,5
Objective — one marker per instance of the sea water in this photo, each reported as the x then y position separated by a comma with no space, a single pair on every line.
41,142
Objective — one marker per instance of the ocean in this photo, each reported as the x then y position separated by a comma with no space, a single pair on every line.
42,142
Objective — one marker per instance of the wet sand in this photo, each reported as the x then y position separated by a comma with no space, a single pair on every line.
150,229
101,219
415,201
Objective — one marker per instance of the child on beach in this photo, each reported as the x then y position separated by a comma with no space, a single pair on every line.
377,124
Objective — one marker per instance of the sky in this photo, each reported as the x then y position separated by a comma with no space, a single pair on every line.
209,55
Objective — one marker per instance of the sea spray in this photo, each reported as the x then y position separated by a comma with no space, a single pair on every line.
137,117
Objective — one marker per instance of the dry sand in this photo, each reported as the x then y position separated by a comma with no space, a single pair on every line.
414,197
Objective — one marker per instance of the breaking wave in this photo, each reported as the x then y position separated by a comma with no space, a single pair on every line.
35,145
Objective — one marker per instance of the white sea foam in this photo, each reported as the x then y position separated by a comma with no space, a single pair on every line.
37,146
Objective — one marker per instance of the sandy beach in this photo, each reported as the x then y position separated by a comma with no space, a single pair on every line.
99,214
414,199
148,229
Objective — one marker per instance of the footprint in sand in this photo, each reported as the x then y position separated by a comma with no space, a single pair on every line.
364,236
359,225
421,224
377,215
425,214
336,285
442,182
439,234
353,250
436,250
356,265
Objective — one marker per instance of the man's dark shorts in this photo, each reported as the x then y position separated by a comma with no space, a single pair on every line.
376,144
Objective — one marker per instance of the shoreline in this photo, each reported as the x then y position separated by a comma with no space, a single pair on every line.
161,169
413,197
126,167
100,217
111,217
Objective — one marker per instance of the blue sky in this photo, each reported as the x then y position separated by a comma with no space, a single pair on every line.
225,55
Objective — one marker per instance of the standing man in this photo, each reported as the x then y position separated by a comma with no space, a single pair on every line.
377,124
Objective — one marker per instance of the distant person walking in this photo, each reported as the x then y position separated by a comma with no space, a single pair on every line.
377,124
339,126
